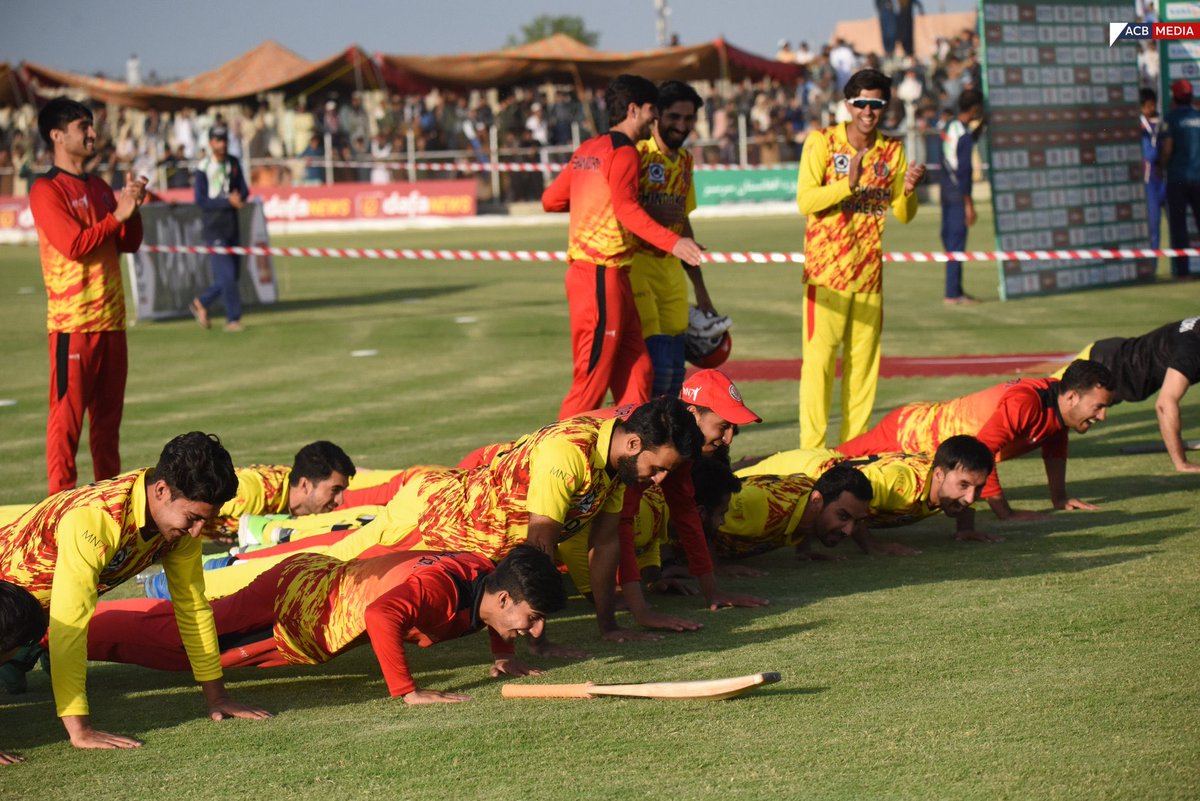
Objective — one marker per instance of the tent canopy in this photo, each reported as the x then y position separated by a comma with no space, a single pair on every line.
270,67
563,59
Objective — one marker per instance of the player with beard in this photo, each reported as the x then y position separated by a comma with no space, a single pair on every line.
1011,419
905,487
667,192
599,187
771,512
545,488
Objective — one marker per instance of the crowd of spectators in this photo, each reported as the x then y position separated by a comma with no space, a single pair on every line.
370,136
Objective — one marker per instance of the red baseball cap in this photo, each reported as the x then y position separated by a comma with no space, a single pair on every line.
1181,90
714,390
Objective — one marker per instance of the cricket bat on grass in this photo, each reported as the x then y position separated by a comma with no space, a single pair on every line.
710,690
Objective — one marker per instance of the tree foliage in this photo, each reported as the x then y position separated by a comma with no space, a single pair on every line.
547,24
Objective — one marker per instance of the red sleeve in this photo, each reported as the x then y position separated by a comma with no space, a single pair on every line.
129,237
305,543
1055,446
1017,412
387,619
66,234
681,502
627,568
557,196
623,184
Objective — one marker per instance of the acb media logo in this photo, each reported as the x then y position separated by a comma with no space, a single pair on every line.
1137,31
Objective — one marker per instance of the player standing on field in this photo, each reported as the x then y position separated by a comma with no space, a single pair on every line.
849,175
666,191
82,227
599,186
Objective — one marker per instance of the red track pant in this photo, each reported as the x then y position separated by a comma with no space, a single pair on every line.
606,340
87,372
142,631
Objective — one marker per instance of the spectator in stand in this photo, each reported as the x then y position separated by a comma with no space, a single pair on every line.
536,124
381,154
1152,176
843,60
175,169
958,210
887,25
784,53
803,55
353,120
314,161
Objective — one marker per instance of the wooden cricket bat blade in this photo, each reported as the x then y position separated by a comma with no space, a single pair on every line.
710,690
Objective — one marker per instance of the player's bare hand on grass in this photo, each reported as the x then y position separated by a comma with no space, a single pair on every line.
434,697
688,251
658,620
912,177
510,666
672,586
723,599
739,571
1073,504
10,759
977,536
1023,515
884,548
225,708
543,647
79,728
1187,467
629,636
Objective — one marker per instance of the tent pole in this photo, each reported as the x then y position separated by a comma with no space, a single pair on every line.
494,144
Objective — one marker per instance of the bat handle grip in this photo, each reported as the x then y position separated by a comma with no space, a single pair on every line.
545,691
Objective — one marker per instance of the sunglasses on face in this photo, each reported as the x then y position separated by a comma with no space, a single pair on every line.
874,103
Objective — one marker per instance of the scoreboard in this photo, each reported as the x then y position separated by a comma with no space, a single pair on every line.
1064,142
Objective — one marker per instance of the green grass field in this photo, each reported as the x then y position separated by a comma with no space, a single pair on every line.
1059,664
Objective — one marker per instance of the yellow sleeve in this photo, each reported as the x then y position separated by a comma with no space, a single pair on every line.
250,498
812,195
616,500
892,486
87,540
557,470
193,615
689,205
903,206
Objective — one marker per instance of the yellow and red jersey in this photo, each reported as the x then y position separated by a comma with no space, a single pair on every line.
843,238
763,515
322,605
648,529
599,186
81,543
900,482
1011,419
262,489
665,191
80,241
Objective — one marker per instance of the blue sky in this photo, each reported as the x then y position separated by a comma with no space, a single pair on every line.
183,38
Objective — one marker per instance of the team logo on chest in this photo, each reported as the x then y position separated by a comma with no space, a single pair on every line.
882,169
841,163
657,174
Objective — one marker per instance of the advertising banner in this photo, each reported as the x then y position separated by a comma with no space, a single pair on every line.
164,284
716,187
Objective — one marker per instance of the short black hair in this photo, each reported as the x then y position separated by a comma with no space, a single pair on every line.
868,79
1147,96
969,99
317,461
671,92
965,452
22,619
626,89
1084,375
529,574
665,421
712,477
196,466
843,478
58,114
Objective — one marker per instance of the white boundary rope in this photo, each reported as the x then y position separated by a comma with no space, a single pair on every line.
428,254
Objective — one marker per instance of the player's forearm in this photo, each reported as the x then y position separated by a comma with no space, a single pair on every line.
603,557
1000,507
812,198
1170,425
1056,480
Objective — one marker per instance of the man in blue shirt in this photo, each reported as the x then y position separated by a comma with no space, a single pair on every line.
1152,176
220,191
958,210
1179,153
